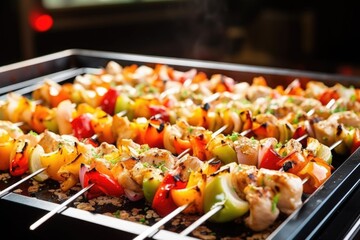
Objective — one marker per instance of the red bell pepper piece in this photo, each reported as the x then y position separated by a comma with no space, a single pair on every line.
108,101
299,132
104,185
269,158
328,95
19,163
154,133
293,163
160,112
316,171
163,203
82,127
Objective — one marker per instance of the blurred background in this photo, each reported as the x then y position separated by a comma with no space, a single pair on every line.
300,34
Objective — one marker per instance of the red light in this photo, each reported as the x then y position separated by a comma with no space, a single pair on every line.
41,22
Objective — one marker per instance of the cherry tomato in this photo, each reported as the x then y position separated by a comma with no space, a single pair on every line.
108,101
163,203
82,127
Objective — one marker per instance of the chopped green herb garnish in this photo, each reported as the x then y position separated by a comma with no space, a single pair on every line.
234,136
339,109
33,133
278,145
270,111
95,154
117,214
190,129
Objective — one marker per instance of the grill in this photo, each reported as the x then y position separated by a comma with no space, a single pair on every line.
331,206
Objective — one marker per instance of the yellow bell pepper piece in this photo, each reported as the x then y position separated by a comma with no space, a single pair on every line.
193,194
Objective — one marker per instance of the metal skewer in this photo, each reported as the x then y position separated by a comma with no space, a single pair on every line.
183,153
246,132
211,98
6,190
328,106
151,230
217,132
59,208
335,144
169,91
217,207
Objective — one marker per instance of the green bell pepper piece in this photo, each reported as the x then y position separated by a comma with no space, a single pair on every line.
218,190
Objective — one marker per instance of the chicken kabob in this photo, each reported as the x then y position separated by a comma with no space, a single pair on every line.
257,98
256,222
225,158
111,101
65,127
85,121
176,137
183,205
137,172
151,99
162,78
40,118
180,137
220,151
122,85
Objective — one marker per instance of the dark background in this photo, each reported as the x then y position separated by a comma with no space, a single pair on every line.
311,35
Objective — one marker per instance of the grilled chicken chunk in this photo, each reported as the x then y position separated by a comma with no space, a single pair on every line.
288,186
242,176
186,164
159,158
327,130
247,151
263,209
